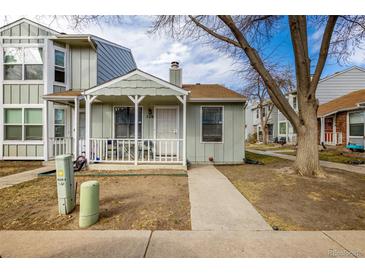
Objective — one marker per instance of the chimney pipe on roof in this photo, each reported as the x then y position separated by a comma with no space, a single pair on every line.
175,74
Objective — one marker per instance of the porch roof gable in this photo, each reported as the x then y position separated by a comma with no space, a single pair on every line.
136,82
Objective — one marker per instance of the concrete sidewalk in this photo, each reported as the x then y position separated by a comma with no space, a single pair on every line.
217,205
179,244
351,168
22,177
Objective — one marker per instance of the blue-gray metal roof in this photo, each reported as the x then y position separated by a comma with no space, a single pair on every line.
112,60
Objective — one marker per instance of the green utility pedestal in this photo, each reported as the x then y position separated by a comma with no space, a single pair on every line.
89,203
65,184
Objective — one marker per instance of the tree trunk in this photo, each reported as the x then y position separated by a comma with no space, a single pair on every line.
307,160
264,133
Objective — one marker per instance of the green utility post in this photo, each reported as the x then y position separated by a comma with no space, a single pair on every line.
89,203
65,184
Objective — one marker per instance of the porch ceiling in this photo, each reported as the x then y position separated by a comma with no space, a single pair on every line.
137,83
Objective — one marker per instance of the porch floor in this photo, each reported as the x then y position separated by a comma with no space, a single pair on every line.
127,166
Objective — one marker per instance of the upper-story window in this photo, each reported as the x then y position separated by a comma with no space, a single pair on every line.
59,68
257,113
23,63
263,111
294,102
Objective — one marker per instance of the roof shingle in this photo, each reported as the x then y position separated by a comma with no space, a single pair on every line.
345,102
211,91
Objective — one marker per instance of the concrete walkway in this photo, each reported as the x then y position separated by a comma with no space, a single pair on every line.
351,168
192,244
217,205
22,177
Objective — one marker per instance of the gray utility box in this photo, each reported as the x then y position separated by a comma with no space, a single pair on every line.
66,188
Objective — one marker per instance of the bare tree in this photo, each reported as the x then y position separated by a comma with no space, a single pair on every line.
256,90
245,35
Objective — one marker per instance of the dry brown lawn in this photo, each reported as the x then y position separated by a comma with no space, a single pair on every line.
293,202
12,167
126,202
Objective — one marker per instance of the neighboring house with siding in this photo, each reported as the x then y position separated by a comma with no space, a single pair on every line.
334,86
279,128
342,120
79,93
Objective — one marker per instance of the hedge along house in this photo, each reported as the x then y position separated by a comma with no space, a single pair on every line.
36,61
342,120
89,95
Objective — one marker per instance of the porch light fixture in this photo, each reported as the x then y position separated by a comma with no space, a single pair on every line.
150,113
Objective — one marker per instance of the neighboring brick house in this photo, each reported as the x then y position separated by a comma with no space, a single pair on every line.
341,121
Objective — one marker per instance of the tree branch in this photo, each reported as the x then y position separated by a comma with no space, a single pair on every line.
213,33
273,89
323,53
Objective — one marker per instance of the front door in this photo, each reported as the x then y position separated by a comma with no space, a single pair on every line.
166,130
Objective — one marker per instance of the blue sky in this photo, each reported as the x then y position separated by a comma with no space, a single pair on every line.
200,62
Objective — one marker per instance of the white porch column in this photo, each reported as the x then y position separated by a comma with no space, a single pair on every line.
87,127
45,131
76,125
183,101
136,100
334,130
322,130
135,130
184,131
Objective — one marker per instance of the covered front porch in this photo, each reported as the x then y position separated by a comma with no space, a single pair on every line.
329,133
110,114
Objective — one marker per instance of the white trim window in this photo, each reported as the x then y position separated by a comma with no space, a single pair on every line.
283,129
60,66
124,122
23,124
23,63
356,124
59,123
212,124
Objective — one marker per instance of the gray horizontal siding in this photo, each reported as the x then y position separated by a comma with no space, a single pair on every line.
112,61
340,85
23,94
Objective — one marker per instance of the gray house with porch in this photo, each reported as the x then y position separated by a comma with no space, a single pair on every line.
81,94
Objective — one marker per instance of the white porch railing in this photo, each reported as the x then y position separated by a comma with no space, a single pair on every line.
65,145
123,150
332,138
61,146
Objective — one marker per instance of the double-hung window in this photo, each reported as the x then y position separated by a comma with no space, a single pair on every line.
23,124
356,121
282,128
59,123
59,68
23,63
212,124
124,122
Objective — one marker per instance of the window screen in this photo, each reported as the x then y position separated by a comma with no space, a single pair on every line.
124,122
212,124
